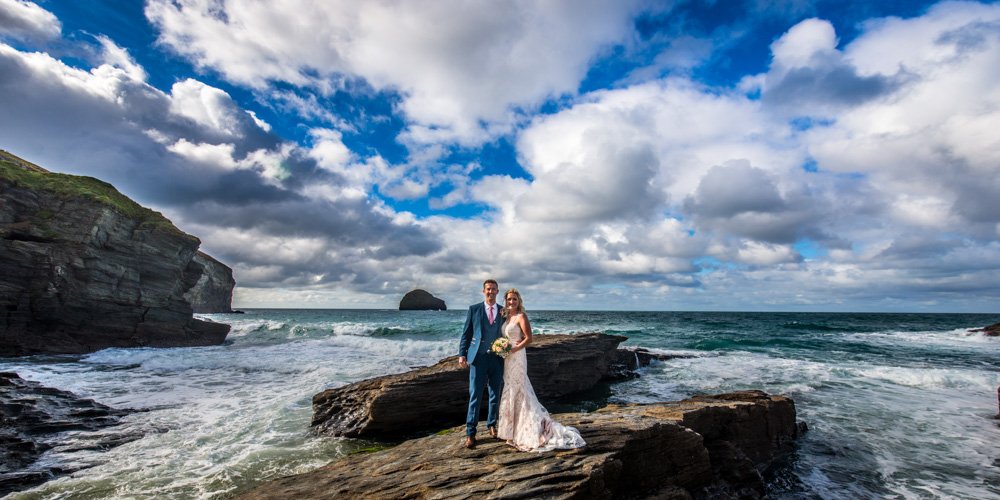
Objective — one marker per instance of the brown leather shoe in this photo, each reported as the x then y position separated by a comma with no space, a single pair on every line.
493,432
470,442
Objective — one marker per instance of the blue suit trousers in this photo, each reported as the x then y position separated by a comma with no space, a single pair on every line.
486,371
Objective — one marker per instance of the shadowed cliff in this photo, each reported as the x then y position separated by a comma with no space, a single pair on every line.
83,267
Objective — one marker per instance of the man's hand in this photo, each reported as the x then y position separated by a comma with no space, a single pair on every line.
462,362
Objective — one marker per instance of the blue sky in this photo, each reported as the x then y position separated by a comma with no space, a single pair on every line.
728,155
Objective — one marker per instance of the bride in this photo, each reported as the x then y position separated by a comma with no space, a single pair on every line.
524,422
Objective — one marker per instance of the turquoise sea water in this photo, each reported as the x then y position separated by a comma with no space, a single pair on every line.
898,405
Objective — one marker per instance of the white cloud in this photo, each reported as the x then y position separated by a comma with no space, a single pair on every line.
208,106
803,44
119,58
211,155
24,20
665,194
481,62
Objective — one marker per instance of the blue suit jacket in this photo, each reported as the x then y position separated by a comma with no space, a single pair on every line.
478,331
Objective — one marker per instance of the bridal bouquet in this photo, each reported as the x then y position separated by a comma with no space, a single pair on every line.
501,347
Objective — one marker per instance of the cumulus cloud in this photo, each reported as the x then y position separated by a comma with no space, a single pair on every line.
809,76
257,202
480,63
24,20
845,174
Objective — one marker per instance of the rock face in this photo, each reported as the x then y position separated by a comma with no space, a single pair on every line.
705,447
34,418
434,397
421,300
82,268
213,293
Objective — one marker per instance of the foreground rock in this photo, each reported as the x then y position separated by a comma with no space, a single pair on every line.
421,300
434,397
705,447
990,331
82,268
35,419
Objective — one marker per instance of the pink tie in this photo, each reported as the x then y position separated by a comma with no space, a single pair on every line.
491,315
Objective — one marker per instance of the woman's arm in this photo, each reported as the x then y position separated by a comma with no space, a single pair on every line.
525,325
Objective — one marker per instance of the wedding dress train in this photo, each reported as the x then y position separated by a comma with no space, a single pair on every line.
524,422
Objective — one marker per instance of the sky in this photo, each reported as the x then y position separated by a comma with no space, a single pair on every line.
784,155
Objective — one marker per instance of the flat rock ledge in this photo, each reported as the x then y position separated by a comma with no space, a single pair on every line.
434,397
703,447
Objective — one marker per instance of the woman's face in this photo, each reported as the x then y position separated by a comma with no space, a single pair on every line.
511,301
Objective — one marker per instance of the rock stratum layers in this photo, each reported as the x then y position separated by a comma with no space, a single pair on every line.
703,447
83,267
435,397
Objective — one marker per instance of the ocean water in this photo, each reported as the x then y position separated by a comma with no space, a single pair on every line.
898,405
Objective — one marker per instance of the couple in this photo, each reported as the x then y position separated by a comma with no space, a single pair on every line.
523,421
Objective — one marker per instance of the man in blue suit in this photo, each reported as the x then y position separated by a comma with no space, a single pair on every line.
482,327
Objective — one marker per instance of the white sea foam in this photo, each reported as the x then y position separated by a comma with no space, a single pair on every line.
959,338
912,424
226,417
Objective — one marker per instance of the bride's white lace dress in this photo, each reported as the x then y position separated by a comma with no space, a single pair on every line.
524,422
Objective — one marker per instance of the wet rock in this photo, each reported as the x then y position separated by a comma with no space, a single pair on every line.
434,397
629,359
705,447
989,331
421,300
35,419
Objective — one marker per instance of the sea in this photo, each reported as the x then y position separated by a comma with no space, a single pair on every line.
897,405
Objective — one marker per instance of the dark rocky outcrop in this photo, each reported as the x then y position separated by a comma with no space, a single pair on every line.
421,300
34,419
82,268
434,397
989,331
704,447
213,293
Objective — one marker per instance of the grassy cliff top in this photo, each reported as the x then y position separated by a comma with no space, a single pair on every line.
27,175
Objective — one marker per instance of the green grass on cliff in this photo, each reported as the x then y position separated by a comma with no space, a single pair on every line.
30,176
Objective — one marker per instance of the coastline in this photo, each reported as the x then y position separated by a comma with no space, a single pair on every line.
222,419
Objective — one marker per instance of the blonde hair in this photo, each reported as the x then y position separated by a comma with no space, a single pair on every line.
520,302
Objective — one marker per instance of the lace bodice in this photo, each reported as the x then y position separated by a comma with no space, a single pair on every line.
512,330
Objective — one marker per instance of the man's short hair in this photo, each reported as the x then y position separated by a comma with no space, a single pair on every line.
491,280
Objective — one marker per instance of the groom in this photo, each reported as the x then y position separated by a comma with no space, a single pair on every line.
482,327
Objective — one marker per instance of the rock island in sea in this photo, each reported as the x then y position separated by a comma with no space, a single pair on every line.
421,300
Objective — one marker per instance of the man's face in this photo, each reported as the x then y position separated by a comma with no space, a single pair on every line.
490,291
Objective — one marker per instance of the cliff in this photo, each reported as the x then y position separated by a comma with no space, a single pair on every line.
83,267
704,447
421,300
213,293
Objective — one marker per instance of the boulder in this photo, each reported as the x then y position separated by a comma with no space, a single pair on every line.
213,293
434,397
35,418
83,267
421,300
705,447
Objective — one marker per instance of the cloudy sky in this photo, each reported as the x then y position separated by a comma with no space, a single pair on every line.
794,155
